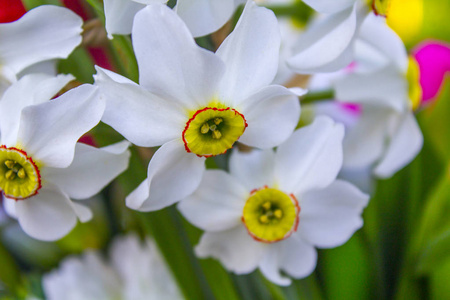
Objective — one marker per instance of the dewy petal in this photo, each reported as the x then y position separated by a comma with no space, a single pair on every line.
326,45
29,90
170,62
140,116
253,169
330,216
49,131
386,87
173,174
250,53
203,17
271,114
311,158
405,144
234,248
217,204
91,169
329,6
47,216
45,32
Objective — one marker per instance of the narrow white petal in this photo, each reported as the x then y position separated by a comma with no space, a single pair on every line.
84,214
329,6
173,174
170,62
29,90
253,169
140,116
119,15
45,32
203,17
271,114
47,216
405,144
217,204
49,131
311,158
91,169
330,216
234,248
250,53
326,45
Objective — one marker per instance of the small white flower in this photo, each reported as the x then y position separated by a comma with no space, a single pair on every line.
275,207
196,103
41,164
202,17
44,33
136,272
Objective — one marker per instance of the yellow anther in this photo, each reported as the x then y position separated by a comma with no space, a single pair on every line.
217,121
10,164
264,219
22,173
267,205
216,134
278,213
10,175
205,128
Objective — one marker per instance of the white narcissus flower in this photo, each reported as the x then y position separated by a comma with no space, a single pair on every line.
196,103
41,164
328,44
136,272
386,85
44,33
202,17
274,208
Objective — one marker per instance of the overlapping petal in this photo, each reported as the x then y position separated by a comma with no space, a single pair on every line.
49,131
329,6
171,65
173,174
91,169
250,54
46,32
217,204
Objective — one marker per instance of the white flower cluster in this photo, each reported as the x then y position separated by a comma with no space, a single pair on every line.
274,206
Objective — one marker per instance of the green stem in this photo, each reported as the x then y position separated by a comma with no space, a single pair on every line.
317,96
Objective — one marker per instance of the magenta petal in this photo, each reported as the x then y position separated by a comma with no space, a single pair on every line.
433,58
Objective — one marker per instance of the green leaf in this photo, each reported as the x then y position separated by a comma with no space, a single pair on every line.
9,271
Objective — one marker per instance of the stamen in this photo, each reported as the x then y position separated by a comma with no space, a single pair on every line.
10,175
267,205
10,164
264,219
21,173
216,134
217,121
205,128
278,214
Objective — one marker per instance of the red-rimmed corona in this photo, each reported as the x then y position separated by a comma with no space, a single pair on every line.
212,131
19,174
270,215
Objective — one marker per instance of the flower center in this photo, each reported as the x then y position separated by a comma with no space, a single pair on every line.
19,175
380,7
413,78
270,215
212,131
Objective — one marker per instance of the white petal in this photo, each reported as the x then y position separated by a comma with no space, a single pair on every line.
270,266
253,169
250,53
203,17
379,35
371,128
405,144
173,174
10,207
47,216
170,63
217,204
330,216
326,45
119,16
49,131
83,213
234,248
386,87
45,32
271,114
48,67
29,90
298,258
311,158
140,116
91,169
329,6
